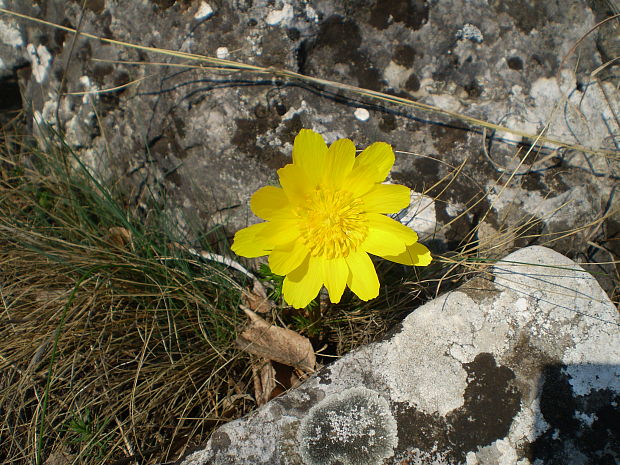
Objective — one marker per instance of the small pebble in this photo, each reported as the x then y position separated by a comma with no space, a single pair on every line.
204,11
362,114
222,53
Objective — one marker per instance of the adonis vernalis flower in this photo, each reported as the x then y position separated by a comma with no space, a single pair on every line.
327,216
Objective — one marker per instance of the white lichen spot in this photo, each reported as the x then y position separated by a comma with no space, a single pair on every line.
361,114
88,89
471,458
41,59
48,114
447,102
454,209
586,419
275,17
353,427
222,53
396,75
415,456
469,32
204,11
293,111
311,14
10,35
501,452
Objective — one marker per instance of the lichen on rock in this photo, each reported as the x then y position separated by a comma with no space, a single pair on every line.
353,427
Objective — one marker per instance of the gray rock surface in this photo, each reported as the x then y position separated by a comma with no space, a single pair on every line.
207,140
520,366
12,44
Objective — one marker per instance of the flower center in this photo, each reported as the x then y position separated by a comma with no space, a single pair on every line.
332,224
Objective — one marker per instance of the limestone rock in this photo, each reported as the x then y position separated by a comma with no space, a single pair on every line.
519,366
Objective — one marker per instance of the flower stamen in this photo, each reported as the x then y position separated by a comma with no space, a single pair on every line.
332,223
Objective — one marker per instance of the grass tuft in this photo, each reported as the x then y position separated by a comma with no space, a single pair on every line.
114,344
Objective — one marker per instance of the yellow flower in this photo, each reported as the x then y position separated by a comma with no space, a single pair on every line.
327,217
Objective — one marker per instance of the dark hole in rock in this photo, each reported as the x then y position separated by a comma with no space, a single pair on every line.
101,70
10,98
164,4
294,125
244,5
547,61
96,6
413,13
339,33
526,15
413,83
387,123
302,56
60,36
473,89
534,182
515,63
338,41
293,33
280,109
404,55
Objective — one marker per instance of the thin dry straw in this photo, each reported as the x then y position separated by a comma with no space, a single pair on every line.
283,73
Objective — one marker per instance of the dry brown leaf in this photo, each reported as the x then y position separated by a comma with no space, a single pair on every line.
120,237
279,344
256,298
264,375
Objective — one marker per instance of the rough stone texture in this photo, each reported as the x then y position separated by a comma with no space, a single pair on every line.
521,367
11,44
208,140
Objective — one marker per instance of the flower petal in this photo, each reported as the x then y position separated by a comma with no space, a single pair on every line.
310,153
249,243
371,166
398,231
340,160
387,198
379,157
284,259
362,279
415,254
304,283
359,181
381,242
279,232
270,202
294,182
335,275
